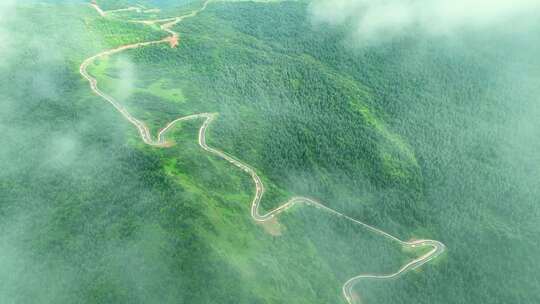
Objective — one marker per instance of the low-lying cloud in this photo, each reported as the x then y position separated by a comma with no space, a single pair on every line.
7,13
383,20
125,75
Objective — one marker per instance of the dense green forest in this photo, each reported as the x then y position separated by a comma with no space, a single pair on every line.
420,137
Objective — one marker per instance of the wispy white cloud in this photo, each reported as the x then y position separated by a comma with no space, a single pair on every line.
126,78
382,20
7,14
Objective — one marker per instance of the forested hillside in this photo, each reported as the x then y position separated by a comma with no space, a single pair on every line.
420,137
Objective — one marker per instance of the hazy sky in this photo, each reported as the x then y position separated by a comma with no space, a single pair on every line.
382,20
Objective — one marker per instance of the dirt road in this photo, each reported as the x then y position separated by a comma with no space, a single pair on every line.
437,248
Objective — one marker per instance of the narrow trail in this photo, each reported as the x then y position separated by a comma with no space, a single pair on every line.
437,248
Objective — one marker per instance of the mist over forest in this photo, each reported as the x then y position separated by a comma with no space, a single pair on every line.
419,118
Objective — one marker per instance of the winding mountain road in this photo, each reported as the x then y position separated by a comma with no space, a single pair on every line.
437,248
